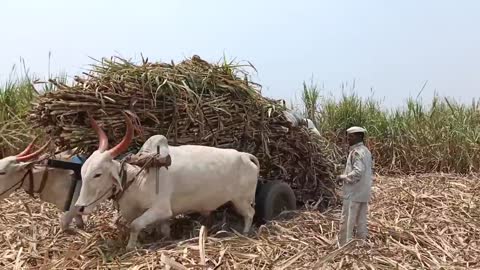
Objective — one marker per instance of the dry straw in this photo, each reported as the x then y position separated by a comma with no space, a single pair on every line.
424,222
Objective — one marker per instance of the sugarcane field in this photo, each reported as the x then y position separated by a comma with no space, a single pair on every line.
201,135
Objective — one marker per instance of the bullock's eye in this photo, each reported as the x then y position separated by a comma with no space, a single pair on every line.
97,175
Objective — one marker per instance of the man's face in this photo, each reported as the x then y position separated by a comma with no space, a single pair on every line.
353,138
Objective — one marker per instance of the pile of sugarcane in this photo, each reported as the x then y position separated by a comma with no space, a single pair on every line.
193,102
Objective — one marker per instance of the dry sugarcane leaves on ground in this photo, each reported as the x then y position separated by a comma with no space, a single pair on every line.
193,102
421,222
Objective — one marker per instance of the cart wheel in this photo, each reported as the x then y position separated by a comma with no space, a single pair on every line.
272,198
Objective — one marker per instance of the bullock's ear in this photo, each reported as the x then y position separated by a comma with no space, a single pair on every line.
116,176
22,165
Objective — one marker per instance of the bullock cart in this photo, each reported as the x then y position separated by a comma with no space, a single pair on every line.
193,102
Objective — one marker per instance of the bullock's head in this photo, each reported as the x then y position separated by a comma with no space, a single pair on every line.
14,168
99,172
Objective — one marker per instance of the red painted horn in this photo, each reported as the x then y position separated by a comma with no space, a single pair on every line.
127,139
102,137
28,149
34,154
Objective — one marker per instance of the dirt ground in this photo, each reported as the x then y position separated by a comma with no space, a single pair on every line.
416,222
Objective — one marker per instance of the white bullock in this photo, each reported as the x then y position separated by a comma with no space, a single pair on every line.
199,179
148,149
51,184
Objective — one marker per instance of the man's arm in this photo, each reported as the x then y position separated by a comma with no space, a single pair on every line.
358,168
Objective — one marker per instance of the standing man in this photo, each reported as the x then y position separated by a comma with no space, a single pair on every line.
357,185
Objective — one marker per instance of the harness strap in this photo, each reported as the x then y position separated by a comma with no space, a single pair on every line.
19,182
125,184
123,174
43,182
30,190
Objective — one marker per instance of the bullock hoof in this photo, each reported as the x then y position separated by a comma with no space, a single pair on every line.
79,222
64,224
81,225
131,247
64,227
132,244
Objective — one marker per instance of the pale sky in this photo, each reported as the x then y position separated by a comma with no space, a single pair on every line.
384,45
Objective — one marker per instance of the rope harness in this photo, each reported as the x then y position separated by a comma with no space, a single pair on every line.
31,187
124,183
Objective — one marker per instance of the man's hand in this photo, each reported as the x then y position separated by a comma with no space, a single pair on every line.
341,178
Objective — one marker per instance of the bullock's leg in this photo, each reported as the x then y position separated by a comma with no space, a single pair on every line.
245,209
66,219
129,214
150,216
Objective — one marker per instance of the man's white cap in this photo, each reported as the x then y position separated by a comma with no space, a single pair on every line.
356,130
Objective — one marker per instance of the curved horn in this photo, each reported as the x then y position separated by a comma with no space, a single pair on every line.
28,148
34,154
102,137
127,139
